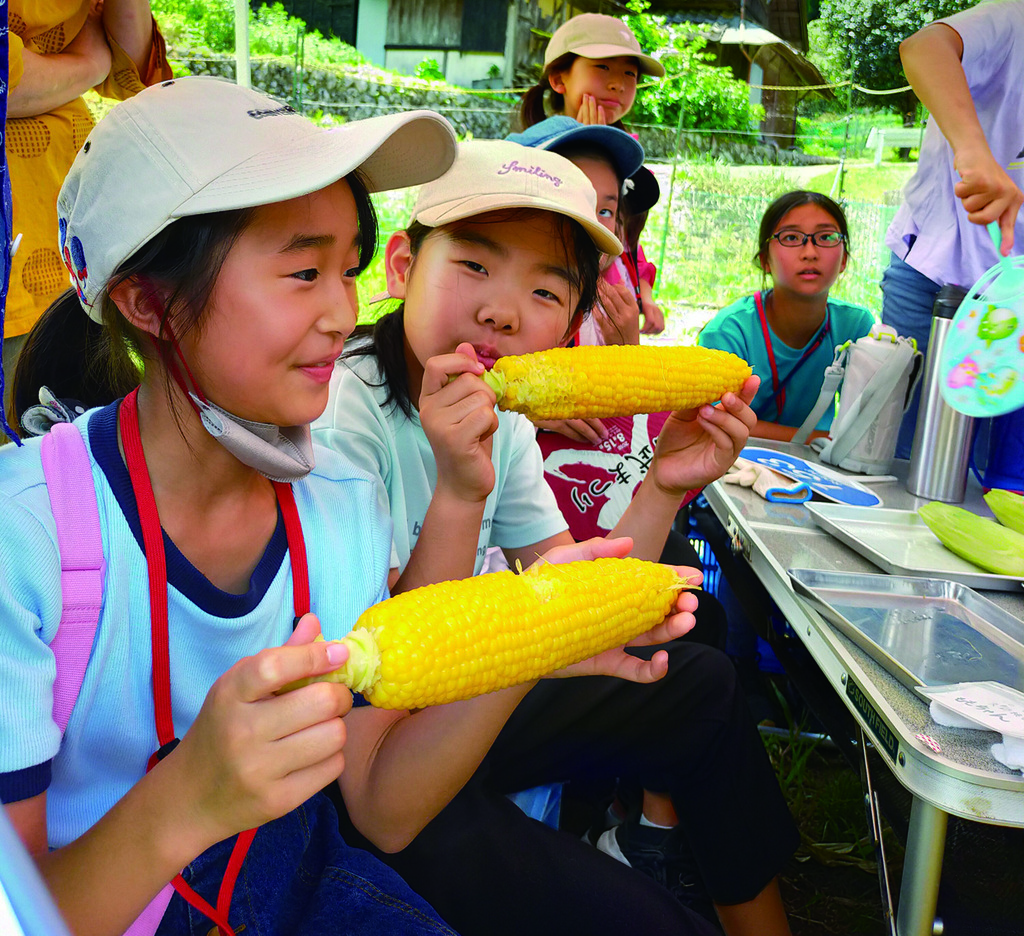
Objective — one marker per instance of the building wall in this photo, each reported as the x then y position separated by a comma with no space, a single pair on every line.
371,29
459,68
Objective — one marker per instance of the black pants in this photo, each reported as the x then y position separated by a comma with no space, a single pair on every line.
490,870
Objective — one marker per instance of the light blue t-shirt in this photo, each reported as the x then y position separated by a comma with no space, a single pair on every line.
520,510
737,328
111,733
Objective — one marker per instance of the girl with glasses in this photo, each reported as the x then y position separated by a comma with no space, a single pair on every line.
789,332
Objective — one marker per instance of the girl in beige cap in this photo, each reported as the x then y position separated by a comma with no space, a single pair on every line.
591,67
501,257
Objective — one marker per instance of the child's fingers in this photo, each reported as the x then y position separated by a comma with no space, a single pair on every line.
442,369
311,745
260,676
597,547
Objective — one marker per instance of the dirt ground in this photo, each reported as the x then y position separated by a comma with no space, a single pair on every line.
831,887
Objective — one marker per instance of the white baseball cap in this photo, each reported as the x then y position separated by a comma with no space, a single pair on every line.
197,145
596,36
490,175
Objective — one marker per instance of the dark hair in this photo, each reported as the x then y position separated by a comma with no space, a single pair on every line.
385,339
784,204
531,107
588,149
78,359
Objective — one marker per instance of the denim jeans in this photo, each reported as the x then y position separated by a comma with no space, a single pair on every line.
907,301
300,877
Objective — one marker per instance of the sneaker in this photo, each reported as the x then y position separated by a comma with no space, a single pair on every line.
662,854
610,818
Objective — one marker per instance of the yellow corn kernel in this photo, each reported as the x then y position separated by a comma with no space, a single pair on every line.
457,640
597,381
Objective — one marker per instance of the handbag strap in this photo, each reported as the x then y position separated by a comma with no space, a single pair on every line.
69,483
826,396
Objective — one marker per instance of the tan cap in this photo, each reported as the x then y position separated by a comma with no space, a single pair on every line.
596,36
490,175
197,145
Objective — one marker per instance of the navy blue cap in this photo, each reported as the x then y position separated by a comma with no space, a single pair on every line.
556,132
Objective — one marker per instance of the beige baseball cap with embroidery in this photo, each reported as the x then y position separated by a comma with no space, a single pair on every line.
197,145
491,175
596,36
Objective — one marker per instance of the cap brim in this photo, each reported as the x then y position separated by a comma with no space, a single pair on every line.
627,153
462,208
648,65
393,151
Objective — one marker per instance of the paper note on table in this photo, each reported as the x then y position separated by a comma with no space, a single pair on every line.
991,704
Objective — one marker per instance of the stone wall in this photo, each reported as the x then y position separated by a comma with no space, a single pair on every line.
354,94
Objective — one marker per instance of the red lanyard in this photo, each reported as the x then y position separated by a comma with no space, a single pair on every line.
156,562
779,388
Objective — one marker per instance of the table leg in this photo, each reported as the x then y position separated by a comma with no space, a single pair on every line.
922,869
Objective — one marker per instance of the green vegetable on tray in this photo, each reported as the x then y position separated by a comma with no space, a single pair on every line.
989,545
1008,508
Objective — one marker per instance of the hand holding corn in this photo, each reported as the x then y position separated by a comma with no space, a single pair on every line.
457,640
613,380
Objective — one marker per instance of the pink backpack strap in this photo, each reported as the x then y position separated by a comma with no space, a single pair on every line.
69,483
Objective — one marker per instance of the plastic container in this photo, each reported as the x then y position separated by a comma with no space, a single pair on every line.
1003,445
941,452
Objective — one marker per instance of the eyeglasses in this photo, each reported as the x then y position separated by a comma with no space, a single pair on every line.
818,238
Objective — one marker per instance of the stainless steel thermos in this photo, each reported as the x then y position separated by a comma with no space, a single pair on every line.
941,452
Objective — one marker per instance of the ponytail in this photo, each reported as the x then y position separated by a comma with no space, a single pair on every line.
74,357
531,107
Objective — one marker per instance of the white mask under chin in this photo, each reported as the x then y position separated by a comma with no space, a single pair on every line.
278,453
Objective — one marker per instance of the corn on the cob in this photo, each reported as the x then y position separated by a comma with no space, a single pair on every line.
1008,508
984,542
597,381
457,640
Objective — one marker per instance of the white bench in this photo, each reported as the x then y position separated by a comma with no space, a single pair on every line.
881,137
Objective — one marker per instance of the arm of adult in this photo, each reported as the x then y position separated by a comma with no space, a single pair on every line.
403,768
50,81
130,24
250,757
932,62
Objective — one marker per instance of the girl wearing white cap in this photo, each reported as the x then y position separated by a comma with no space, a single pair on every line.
501,257
228,265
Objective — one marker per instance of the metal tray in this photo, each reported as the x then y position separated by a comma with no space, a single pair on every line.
900,542
924,631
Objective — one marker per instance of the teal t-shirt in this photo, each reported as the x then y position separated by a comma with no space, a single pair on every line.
737,328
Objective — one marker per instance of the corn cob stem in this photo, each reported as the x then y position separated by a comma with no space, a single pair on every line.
457,640
613,380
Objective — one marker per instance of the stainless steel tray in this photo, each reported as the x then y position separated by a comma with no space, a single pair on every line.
899,541
925,631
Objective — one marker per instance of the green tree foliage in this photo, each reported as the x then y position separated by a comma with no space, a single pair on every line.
707,96
429,70
209,25
864,36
